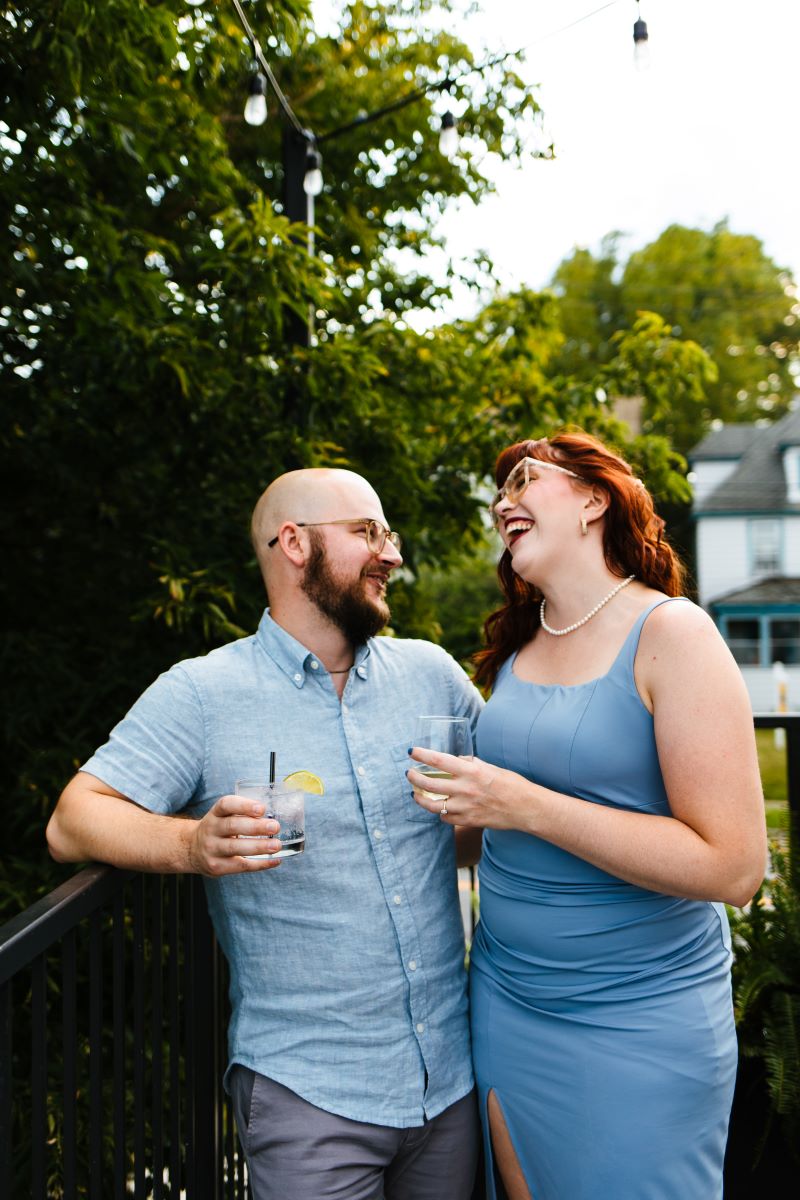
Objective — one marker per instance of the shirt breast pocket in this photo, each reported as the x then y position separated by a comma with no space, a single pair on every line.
411,811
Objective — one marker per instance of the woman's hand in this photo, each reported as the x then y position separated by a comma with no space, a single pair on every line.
477,795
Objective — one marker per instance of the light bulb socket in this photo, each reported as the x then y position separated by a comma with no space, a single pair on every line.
640,31
448,136
255,110
257,85
312,179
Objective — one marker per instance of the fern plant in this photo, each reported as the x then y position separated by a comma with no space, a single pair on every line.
766,981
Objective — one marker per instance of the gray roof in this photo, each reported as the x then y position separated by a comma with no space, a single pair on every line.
778,589
757,483
729,441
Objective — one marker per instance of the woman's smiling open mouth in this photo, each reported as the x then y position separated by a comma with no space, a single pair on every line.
516,528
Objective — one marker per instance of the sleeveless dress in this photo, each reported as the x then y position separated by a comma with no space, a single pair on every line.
601,1012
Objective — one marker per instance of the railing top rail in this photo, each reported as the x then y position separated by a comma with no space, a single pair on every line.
776,720
33,931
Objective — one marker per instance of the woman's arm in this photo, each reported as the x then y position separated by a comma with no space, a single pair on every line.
713,847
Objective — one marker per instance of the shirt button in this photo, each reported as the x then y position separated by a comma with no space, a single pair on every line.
378,834
360,771
412,966
298,678
420,1028
398,899
362,672
314,665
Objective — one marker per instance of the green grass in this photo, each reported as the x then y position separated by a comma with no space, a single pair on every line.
777,815
772,761
773,765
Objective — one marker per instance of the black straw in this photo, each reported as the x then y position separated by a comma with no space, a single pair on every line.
272,766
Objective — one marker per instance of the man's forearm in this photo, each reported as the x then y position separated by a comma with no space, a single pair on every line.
101,826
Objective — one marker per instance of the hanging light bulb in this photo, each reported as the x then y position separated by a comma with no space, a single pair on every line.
312,180
448,136
255,110
641,50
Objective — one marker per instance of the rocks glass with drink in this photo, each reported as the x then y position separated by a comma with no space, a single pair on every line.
282,804
449,735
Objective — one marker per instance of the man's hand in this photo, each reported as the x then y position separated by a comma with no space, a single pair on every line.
94,823
216,847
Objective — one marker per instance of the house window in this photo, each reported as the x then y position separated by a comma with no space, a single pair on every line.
765,541
784,640
742,635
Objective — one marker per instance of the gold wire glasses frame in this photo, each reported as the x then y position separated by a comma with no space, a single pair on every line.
520,478
377,534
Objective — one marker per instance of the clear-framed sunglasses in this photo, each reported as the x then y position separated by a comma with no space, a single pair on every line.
519,478
376,534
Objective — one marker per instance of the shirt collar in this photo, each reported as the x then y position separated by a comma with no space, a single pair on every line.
295,659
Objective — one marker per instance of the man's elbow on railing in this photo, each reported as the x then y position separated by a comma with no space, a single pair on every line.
62,848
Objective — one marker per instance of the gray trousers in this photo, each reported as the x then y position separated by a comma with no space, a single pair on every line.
296,1151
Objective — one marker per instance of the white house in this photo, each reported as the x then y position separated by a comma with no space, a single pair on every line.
747,520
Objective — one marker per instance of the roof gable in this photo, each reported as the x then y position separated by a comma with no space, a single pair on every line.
758,481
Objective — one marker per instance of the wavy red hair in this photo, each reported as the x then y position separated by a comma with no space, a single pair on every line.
633,541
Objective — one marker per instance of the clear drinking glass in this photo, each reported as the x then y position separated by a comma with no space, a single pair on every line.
450,735
282,804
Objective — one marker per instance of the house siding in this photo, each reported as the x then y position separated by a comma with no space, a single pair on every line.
722,556
763,689
791,546
707,476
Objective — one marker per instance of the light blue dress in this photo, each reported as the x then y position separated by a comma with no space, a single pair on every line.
601,1012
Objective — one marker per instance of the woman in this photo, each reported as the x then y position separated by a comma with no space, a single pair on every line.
618,786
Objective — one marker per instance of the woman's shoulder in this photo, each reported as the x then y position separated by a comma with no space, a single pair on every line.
679,636
674,617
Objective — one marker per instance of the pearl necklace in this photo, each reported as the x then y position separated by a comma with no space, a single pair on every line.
571,628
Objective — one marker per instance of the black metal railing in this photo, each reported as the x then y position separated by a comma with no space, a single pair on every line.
112,1030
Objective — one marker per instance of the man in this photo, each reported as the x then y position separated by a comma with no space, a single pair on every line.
349,1054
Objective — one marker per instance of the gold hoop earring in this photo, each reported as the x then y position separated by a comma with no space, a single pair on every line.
584,526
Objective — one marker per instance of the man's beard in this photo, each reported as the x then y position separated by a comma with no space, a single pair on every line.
347,605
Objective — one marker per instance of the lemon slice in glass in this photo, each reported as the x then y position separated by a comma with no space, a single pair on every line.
305,782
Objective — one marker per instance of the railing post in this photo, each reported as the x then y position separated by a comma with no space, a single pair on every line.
202,1037
6,1051
793,784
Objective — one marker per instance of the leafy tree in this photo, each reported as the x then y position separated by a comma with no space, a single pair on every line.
152,385
718,288
590,306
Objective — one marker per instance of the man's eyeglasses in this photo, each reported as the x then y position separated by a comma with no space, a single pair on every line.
519,478
375,533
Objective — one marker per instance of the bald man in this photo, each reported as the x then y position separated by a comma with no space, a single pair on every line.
349,1062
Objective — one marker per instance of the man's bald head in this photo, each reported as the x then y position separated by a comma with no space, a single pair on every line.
306,497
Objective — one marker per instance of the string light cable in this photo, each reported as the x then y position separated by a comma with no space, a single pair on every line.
260,58
449,130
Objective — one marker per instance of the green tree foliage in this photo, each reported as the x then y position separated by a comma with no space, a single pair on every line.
152,385
719,289
766,979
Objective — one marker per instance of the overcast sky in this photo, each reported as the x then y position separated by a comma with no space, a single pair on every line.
708,131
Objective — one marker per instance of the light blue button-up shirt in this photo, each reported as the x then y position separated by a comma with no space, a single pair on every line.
347,962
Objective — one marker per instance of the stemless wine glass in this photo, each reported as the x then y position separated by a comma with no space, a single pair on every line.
450,735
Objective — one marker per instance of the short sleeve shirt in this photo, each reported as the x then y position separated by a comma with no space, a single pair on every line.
347,961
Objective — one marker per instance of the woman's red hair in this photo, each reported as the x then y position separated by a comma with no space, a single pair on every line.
633,541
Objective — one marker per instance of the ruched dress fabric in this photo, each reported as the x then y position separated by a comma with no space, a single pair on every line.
601,1012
